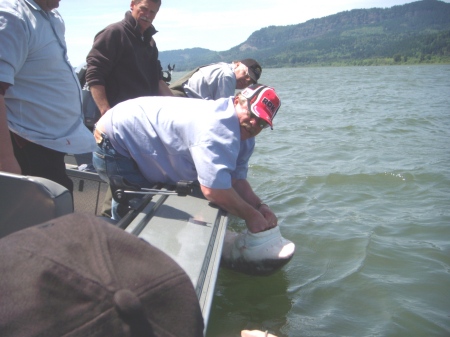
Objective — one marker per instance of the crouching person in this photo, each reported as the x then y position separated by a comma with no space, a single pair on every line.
152,140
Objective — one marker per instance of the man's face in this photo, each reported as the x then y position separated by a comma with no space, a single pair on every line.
249,123
243,79
48,5
144,13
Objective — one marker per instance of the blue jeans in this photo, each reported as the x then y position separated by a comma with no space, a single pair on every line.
108,162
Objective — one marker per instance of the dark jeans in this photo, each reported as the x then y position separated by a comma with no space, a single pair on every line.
108,162
39,161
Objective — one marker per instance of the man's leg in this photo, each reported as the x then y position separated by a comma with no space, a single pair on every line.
106,209
39,161
107,163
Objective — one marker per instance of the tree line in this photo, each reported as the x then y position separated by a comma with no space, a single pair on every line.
414,33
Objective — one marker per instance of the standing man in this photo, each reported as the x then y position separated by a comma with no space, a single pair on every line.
218,80
40,96
123,62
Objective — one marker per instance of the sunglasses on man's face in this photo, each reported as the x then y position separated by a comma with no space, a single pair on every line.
261,122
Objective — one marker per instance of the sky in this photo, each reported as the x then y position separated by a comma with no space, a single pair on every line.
210,24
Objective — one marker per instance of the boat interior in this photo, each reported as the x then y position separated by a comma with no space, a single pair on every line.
183,225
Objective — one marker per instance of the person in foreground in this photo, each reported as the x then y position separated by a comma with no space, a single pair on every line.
78,275
40,96
152,140
218,80
81,276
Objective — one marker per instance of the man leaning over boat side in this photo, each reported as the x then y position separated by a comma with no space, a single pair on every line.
123,63
138,138
217,80
40,96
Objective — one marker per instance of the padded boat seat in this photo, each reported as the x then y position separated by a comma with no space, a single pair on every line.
26,201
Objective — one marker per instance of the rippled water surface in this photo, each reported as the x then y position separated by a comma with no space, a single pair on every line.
357,169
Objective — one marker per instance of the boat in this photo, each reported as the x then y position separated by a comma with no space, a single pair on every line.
178,220
186,227
183,224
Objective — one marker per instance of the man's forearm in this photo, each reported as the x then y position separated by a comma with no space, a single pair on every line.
99,95
232,202
8,162
243,188
245,191
163,89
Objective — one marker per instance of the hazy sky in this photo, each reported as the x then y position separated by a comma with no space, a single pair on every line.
211,24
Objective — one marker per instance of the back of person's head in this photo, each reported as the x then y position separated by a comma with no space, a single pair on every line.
81,276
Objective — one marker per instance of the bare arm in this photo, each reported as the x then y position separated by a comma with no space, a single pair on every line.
99,95
8,162
232,201
163,89
244,189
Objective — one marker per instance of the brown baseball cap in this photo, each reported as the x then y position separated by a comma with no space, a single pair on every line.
78,275
254,69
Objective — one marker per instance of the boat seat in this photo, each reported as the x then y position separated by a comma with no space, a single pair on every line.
26,201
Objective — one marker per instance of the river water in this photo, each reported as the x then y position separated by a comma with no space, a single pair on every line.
357,169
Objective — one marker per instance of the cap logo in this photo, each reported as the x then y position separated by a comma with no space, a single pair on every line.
269,104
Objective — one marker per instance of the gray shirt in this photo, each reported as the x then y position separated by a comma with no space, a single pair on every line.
212,82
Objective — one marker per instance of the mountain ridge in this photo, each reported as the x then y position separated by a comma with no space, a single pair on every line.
416,32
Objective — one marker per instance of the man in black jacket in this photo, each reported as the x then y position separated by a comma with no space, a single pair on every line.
123,63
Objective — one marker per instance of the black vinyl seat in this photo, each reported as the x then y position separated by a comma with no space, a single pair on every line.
26,201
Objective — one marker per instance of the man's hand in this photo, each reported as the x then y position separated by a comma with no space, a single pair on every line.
231,201
255,333
270,216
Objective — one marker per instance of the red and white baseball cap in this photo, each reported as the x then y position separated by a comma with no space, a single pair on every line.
263,101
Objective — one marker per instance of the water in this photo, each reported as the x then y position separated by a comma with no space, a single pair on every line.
357,169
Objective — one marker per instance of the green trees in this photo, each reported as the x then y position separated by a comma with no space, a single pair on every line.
418,32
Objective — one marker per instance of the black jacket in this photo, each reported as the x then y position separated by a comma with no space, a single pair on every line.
124,61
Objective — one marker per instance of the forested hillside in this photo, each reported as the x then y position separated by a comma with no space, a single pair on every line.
418,32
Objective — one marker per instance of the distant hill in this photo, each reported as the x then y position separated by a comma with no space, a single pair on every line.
418,32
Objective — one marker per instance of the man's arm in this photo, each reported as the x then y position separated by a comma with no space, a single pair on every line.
163,89
99,95
8,162
243,188
234,203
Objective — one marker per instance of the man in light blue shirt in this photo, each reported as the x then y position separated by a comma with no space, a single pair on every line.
40,96
218,80
152,140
